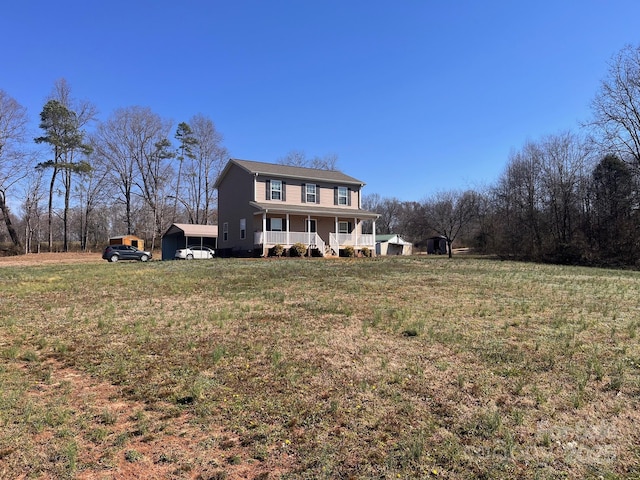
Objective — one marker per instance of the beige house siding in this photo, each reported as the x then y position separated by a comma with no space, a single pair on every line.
294,190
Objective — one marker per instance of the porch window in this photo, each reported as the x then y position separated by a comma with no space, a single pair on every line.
311,193
275,225
344,227
225,231
243,228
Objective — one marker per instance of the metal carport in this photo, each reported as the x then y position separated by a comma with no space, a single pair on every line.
181,235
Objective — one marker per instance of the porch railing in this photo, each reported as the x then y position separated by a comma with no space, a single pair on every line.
286,239
336,240
342,239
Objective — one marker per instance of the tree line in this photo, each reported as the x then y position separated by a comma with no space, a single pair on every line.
567,197
570,197
134,172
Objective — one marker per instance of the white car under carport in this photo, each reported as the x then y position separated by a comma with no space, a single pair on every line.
195,252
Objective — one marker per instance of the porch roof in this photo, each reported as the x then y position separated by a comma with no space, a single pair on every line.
313,210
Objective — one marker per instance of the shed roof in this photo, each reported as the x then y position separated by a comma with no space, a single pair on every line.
128,235
288,171
193,230
391,238
384,237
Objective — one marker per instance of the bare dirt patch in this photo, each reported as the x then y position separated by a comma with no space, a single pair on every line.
50,258
121,438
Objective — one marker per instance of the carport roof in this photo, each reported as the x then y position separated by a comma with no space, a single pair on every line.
192,230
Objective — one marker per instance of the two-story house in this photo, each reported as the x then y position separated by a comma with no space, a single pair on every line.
261,205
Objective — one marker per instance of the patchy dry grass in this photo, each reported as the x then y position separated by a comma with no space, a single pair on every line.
311,368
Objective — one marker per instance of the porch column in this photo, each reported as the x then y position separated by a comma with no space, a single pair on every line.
287,230
373,250
355,226
264,235
308,229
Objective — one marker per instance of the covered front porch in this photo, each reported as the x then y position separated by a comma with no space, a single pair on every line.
323,235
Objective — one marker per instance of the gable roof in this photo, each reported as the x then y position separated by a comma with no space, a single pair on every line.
384,237
288,171
193,230
391,238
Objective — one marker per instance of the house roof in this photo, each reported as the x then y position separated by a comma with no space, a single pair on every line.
312,209
192,230
288,171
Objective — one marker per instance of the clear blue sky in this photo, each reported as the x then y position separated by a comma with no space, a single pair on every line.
413,96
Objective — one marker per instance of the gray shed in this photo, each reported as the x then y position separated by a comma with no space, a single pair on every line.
181,235
437,245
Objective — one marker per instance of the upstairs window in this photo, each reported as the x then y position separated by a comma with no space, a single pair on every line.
342,196
311,193
275,190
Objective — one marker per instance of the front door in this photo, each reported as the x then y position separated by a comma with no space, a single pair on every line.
311,226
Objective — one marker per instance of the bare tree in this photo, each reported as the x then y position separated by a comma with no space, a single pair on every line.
616,107
13,120
297,158
517,200
155,174
32,210
133,149
564,181
84,110
202,170
114,143
389,209
92,190
448,213
614,226
412,222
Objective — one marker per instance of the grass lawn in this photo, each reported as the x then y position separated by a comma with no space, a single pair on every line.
419,367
